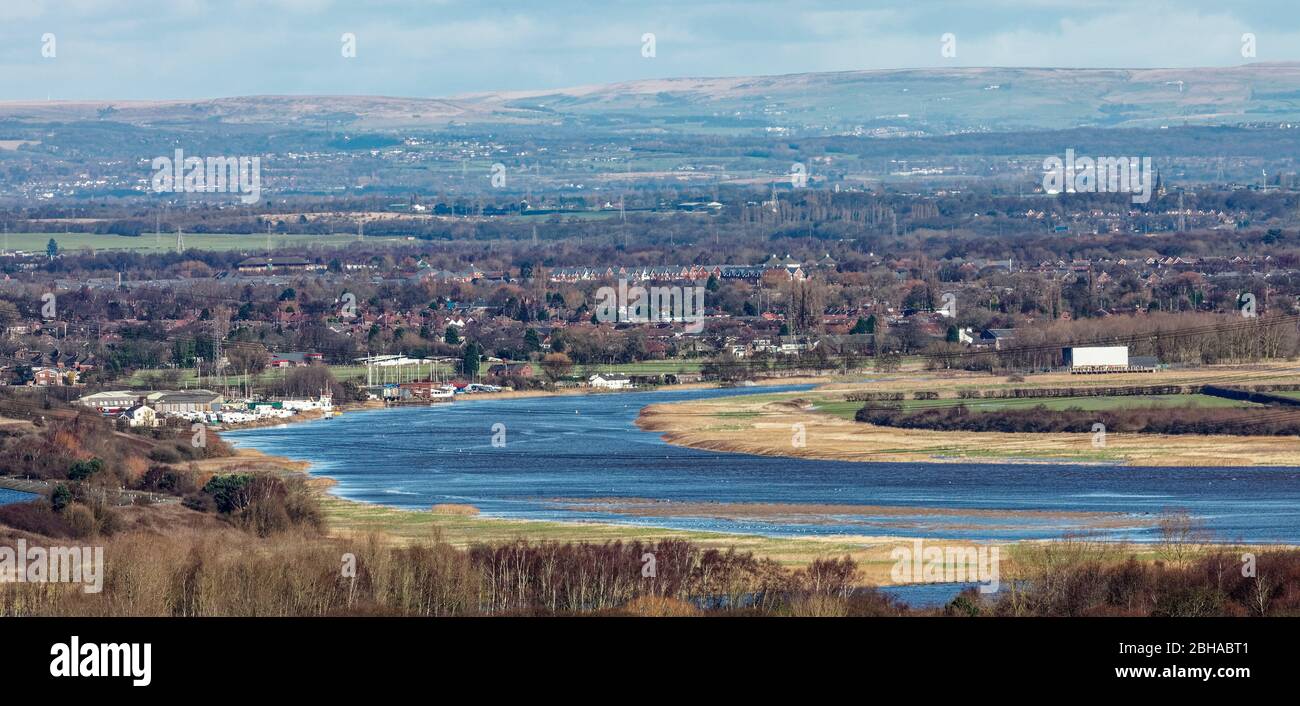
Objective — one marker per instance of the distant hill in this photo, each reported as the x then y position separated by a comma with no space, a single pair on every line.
287,111
939,100
885,102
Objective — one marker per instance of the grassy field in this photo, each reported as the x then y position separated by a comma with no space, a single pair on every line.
649,367
566,215
73,242
846,409
188,378
762,424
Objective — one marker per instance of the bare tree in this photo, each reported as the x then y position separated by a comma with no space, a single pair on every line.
1181,535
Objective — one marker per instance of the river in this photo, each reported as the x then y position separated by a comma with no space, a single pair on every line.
570,457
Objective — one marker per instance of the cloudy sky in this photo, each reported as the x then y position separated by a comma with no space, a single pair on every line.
159,49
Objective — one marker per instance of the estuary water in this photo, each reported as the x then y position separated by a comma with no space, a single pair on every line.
8,496
582,458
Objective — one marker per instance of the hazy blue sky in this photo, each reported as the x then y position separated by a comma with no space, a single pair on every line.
123,49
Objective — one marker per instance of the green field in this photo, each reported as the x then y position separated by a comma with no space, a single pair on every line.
847,409
564,216
358,519
187,378
649,367
75,242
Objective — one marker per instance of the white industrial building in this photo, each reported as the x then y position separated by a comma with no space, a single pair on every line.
1095,358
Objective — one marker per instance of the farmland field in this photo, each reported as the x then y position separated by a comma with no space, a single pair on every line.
186,377
826,420
846,409
73,242
650,367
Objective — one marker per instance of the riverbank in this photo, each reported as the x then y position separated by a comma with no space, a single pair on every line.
585,391
306,415
818,424
461,526
371,405
13,490
876,555
837,512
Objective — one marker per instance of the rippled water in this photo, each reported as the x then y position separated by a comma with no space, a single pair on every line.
588,447
14,496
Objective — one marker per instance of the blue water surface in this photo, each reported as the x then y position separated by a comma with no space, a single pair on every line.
575,447
8,496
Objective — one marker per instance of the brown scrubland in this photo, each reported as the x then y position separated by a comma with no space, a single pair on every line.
192,564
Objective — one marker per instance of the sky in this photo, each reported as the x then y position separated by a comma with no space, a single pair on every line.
193,49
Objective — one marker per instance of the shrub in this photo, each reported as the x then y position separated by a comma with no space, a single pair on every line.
35,517
163,479
454,509
164,454
966,604
263,504
81,470
660,607
199,502
818,606
229,493
80,519
108,521
276,505
1040,419
60,497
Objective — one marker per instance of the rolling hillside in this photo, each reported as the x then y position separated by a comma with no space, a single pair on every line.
886,103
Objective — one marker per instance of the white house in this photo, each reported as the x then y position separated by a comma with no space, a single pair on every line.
324,403
610,382
141,416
